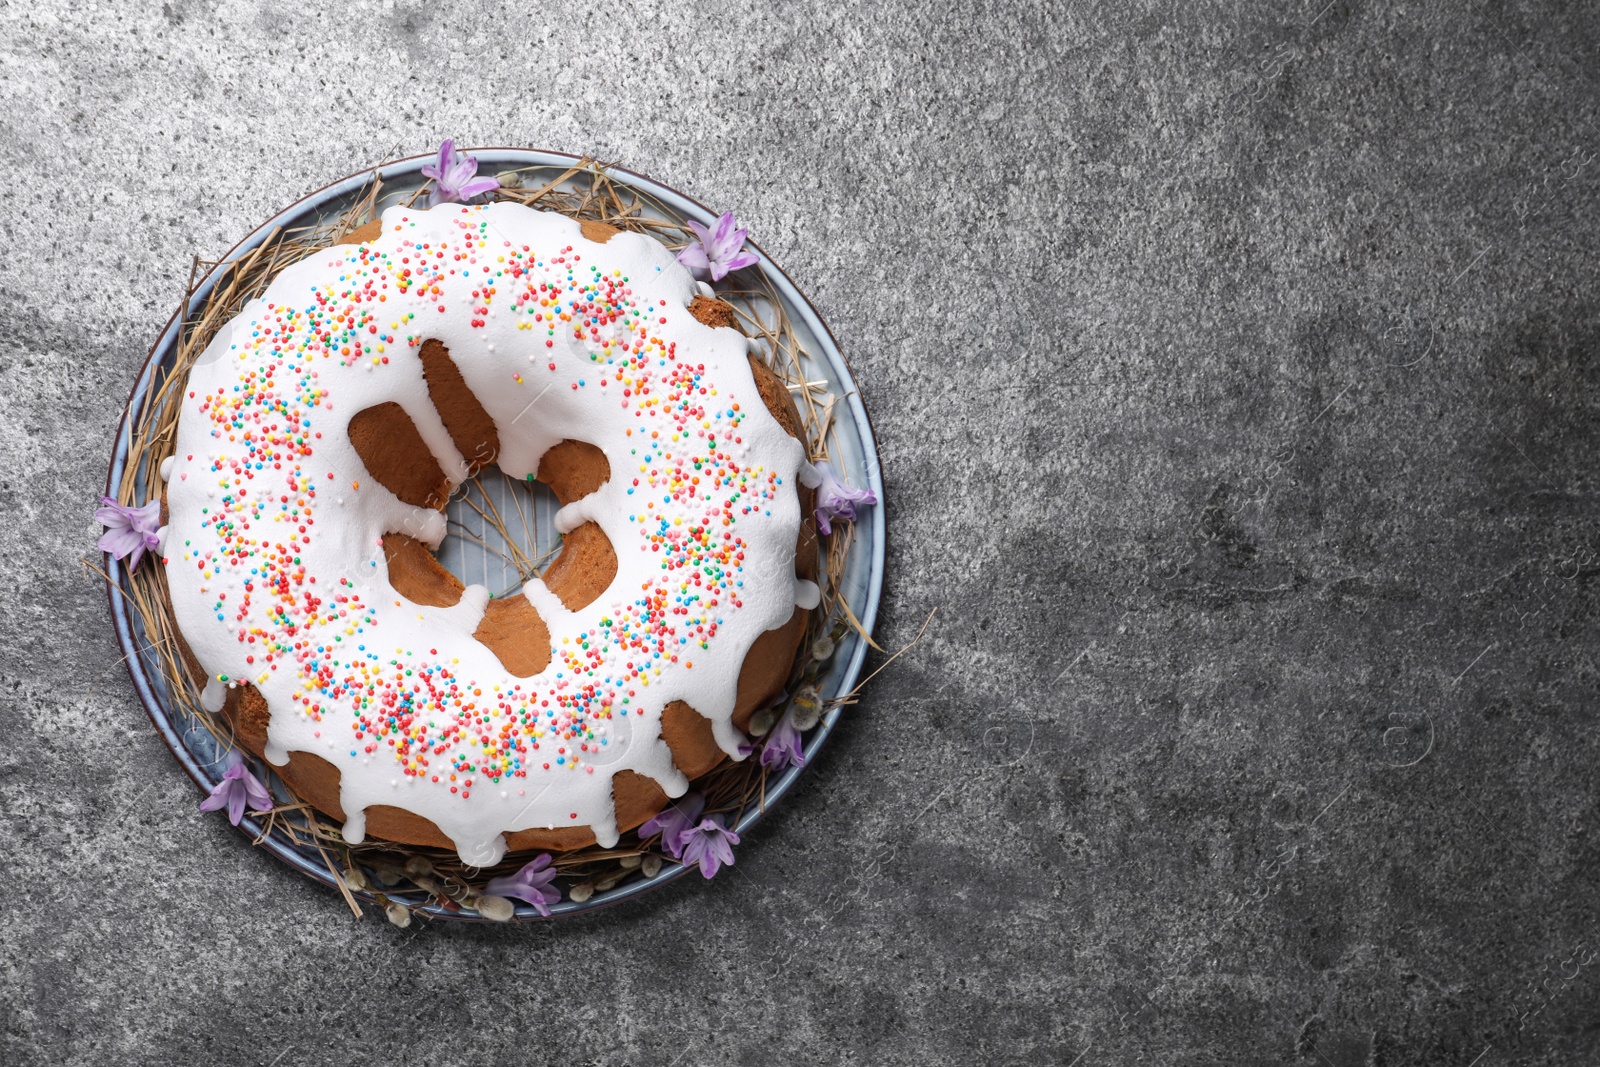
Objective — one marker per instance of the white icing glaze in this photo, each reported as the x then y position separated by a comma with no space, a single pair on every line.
275,556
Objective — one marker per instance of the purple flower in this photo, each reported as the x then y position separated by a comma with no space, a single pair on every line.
717,252
453,176
784,748
674,823
130,531
531,884
709,845
835,498
238,787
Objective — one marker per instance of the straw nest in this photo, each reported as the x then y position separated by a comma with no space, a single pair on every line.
401,879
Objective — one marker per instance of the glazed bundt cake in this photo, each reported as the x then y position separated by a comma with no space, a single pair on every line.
322,433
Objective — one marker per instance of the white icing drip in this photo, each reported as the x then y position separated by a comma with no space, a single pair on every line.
806,594
214,695
574,515
706,290
424,524
161,538
728,738
548,605
487,853
534,407
434,434
166,468
474,601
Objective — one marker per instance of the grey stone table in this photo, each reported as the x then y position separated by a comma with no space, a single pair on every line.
1235,375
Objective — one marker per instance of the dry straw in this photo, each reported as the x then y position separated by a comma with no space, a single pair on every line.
402,878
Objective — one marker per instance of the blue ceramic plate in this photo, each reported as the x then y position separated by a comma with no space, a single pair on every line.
852,448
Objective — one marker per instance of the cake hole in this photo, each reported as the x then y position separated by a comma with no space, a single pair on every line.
500,532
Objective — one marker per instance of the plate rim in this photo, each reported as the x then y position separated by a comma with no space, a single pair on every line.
204,285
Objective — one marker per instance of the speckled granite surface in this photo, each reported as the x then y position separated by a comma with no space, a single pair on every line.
1235,377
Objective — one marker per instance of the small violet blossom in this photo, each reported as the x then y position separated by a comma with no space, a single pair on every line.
453,176
836,499
131,532
717,252
674,823
237,788
531,884
784,747
709,845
